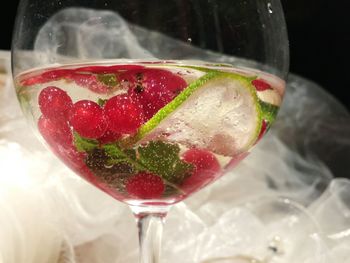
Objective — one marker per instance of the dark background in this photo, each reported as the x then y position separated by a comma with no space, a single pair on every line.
319,34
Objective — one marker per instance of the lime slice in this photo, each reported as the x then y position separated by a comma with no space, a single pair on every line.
219,112
170,107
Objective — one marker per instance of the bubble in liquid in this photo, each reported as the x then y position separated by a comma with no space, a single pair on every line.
269,8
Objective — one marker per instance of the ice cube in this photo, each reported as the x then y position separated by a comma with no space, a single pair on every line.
221,116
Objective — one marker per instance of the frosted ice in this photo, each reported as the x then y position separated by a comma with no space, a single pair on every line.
221,116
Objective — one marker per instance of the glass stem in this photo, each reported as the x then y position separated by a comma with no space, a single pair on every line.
150,221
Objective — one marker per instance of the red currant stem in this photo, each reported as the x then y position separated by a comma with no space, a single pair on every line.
150,222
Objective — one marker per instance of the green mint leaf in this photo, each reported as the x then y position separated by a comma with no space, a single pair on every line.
131,153
157,157
163,159
101,102
83,144
109,80
117,155
269,111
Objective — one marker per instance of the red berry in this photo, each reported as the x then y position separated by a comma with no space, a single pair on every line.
59,137
56,133
145,186
203,160
33,80
109,136
56,74
87,118
54,102
261,85
206,166
47,76
153,88
123,114
91,82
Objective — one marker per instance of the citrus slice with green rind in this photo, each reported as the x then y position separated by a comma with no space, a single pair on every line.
219,112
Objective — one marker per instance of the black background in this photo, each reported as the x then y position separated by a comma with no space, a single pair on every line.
319,34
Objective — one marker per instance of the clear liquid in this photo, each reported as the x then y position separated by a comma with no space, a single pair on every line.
150,132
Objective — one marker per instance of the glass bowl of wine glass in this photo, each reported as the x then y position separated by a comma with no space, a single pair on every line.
150,101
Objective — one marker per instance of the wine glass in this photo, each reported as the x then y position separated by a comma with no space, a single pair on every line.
150,101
